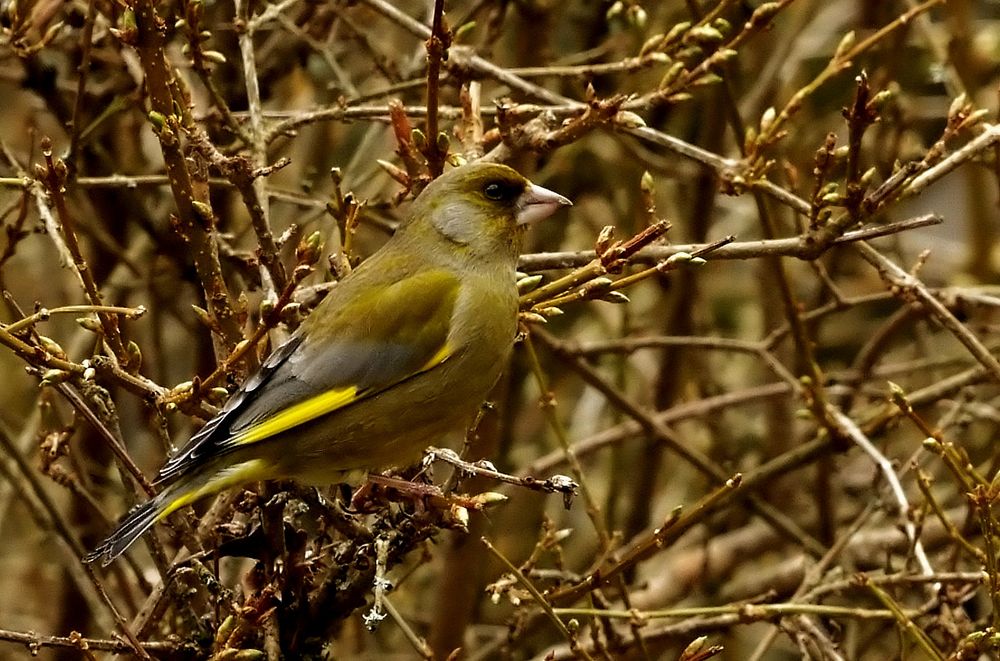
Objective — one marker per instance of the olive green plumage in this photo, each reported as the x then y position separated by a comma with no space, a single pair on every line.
401,352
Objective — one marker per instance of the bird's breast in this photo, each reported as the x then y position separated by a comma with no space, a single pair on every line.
484,323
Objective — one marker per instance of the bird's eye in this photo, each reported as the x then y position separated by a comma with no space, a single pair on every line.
495,191
501,190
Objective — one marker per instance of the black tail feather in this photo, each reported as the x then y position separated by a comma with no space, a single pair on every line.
132,526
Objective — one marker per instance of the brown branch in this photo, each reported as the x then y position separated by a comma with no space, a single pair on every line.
86,42
62,528
661,432
195,220
75,641
54,175
308,253
803,247
436,150
909,287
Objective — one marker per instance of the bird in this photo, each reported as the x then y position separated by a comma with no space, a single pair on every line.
402,351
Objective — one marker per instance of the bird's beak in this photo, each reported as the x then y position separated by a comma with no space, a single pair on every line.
537,203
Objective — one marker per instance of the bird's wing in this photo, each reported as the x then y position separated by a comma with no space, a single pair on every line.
339,357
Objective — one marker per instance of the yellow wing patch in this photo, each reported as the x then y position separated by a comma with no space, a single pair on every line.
437,358
317,406
295,415
247,471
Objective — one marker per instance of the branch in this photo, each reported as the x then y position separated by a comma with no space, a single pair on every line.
801,247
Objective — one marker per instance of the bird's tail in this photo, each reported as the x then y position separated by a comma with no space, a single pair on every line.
183,492
140,519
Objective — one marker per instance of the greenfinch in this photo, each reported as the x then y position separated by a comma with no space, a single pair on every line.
402,351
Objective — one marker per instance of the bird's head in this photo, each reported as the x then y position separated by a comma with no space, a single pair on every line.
484,207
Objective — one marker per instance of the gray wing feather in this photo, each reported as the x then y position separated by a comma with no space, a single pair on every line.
292,375
205,441
370,349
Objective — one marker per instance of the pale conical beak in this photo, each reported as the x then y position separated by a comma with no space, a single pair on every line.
537,203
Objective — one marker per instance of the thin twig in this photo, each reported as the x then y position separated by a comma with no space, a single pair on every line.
908,286
799,247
